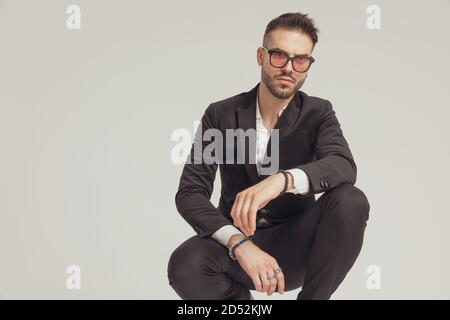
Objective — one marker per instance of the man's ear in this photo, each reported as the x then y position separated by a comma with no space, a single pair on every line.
259,56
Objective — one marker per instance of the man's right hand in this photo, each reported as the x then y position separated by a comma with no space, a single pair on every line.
259,266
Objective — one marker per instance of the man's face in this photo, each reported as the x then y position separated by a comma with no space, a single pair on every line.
284,82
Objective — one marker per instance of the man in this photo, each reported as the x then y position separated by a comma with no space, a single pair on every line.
280,237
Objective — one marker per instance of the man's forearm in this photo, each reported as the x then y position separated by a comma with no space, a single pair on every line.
298,183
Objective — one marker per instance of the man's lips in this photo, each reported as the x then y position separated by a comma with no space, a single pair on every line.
286,80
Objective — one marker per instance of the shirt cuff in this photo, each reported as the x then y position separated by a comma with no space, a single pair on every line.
224,234
301,181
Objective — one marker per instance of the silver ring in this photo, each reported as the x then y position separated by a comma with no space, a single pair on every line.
276,271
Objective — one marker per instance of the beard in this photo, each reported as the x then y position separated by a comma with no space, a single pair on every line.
278,90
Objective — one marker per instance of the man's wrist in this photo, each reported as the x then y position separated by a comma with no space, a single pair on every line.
239,249
290,180
234,238
236,245
287,180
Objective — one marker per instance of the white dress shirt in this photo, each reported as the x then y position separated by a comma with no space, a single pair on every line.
301,181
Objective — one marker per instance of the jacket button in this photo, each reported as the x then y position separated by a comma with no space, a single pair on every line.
321,184
264,211
326,184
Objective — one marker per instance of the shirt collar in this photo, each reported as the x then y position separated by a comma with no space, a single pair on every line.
258,113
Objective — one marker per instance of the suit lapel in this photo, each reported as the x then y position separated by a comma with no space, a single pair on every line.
285,123
246,118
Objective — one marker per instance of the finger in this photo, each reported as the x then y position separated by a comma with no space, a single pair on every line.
252,216
256,281
244,214
280,280
273,283
265,281
237,210
241,213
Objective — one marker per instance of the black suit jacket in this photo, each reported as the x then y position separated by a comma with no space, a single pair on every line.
310,138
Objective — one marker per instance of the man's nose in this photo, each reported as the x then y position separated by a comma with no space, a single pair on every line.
288,67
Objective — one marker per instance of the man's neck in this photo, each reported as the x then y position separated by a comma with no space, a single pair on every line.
270,106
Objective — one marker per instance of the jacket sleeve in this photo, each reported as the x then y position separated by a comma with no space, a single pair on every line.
196,184
334,163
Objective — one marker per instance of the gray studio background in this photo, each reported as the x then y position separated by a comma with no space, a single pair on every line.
86,118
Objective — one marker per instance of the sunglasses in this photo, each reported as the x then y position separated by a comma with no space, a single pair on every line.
279,59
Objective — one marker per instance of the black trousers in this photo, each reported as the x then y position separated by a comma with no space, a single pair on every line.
315,250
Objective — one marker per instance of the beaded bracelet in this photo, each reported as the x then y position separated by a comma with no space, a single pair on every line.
286,181
235,245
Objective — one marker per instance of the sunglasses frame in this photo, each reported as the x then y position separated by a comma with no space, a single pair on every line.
289,58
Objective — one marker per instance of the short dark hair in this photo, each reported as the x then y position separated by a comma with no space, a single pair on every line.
293,21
